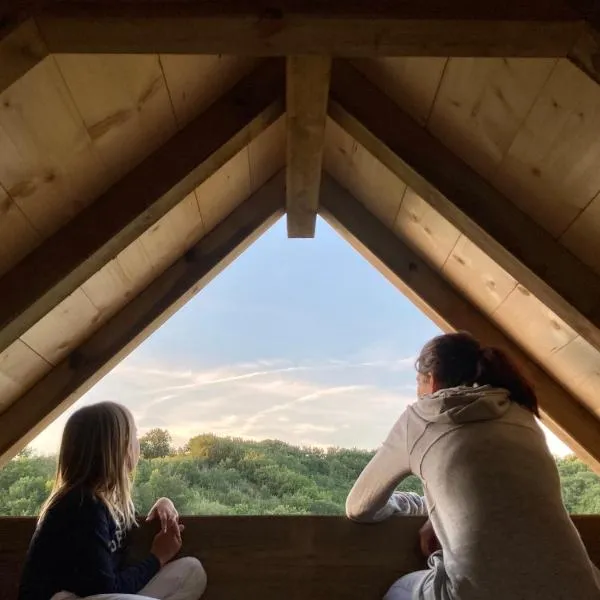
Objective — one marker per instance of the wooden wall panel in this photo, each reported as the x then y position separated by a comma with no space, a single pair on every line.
577,364
20,366
116,283
296,558
411,82
196,81
551,170
482,103
425,229
124,103
482,280
224,190
63,328
17,235
267,154
358,170
48,164
532,324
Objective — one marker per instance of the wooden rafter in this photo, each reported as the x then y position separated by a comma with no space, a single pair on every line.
510,237
31,413
307,93
421,283
141,198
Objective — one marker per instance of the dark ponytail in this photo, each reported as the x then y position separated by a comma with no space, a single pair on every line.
458,359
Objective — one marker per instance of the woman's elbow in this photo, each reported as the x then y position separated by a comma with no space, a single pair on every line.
357,512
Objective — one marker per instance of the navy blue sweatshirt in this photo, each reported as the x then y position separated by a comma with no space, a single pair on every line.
77,548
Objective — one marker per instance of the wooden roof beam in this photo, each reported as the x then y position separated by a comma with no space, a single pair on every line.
565,415
510,237
67,259
338,27
307,94
36,409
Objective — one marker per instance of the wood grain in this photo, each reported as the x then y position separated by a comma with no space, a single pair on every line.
296,558
307,93
137,201
550,170
481,105
124,103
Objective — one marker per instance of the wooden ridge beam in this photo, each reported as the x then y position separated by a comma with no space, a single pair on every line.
38,407
507,235
307,93
68,258
422,284
289,27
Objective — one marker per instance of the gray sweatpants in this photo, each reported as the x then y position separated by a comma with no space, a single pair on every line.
403,588
182,579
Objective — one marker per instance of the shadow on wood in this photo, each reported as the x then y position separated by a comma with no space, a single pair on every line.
280,557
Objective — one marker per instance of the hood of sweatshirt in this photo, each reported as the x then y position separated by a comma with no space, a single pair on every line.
464,404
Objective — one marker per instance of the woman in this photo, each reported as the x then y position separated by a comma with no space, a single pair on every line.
76,549
492,488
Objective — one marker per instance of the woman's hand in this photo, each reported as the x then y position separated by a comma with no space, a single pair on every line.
428,540
167,543
165,510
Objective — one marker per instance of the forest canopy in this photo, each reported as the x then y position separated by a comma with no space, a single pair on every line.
214,475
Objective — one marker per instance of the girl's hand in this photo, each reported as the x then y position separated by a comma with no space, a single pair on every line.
166,544
165,510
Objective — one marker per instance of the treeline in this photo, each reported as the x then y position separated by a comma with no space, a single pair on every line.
225,476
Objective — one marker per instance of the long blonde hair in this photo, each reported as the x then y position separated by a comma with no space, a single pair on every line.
96,454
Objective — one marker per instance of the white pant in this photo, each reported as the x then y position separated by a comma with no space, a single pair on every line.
403,588
182,579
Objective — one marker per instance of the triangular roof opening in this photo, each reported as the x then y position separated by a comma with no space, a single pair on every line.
277,348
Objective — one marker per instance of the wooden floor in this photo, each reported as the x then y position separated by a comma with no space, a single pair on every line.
276,558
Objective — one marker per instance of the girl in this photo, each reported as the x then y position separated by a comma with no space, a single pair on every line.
491,485
75,550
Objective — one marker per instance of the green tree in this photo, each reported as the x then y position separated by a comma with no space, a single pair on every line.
156,444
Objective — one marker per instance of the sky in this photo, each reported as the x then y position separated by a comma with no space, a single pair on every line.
298,340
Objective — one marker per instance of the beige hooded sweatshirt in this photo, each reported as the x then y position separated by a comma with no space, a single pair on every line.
494,499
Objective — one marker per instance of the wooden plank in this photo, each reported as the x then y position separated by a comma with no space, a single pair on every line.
355,28
425,229
56,334
16,232
577,365
508,236
371,182
307,92
20,366
473,272
481,104
550,170
321,558
48,164
124,103
21,48
412,82
136,202
195,81
413,276
36,409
